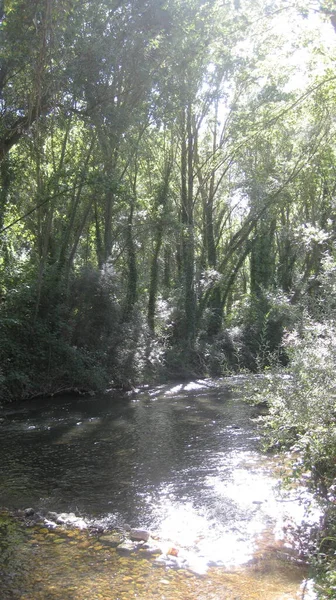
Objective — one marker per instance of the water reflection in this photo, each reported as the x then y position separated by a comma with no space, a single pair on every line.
180,460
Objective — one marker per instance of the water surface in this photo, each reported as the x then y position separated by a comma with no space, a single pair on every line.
183,461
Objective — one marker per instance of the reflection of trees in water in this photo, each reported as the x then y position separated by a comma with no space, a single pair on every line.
100,455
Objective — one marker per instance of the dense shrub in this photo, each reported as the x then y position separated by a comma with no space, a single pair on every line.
302,418
48,346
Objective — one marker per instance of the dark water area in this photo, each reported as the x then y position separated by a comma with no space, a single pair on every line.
183,461
105,454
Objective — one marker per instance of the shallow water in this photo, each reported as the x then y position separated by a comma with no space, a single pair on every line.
183,462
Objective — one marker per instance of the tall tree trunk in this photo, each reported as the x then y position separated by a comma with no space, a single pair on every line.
73,212
167,269
161,209
109,201
45,222
286,253
4,189
187,214
98,238
208,192
154,278
132,277
5,180
215,302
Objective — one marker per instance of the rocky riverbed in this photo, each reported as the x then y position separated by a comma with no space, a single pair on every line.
68,561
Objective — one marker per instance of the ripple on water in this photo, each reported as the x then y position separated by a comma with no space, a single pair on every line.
181,460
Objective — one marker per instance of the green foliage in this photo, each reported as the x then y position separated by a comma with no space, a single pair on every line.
263,319
168,145
167,206
55,345
222,354
302,401
183,362
302,419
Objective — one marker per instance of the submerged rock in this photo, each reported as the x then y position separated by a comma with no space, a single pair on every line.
127,547
52,516
140,535
150,548
112,539
71,519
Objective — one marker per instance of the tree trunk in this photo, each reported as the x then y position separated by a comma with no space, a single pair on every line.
132,278
187,214
4,189
161,209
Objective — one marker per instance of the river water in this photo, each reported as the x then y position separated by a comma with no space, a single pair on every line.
183,462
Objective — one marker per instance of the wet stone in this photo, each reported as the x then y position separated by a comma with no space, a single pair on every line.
71,519
72,533
139,535
52,516
84,545
127,547
111,539
150,550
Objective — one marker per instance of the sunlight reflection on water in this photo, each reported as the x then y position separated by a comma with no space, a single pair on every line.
182,460
246,503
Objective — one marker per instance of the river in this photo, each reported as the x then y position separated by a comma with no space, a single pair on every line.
181,461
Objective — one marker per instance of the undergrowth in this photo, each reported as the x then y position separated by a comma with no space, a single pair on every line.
302,418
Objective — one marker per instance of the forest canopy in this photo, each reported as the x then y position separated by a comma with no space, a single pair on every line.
167,202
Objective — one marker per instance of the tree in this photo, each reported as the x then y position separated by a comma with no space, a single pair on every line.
162,152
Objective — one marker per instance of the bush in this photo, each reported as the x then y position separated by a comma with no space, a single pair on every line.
302,418
61,343
302,400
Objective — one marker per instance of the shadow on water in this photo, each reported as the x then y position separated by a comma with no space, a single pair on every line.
182,461
102,454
